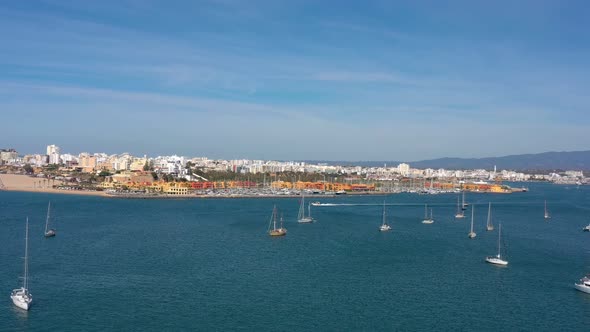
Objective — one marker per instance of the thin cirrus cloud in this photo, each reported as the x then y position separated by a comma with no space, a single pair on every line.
376,74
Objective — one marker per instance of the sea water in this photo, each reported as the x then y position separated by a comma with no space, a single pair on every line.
209,264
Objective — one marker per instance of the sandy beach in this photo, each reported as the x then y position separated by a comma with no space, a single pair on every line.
15,182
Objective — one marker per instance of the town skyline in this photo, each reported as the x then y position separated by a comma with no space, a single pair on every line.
354,82
571,160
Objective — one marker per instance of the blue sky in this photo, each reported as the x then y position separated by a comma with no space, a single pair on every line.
335,80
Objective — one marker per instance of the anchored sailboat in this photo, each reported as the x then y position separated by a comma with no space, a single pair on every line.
498,258
281,231
49,232
21,296
547,215
489,225
460,214
301,218
471,232
427,220
464,205
384,226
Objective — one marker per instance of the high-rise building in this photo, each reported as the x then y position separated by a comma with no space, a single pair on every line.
53,154
403,169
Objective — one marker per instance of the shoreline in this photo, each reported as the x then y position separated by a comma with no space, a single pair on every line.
25,183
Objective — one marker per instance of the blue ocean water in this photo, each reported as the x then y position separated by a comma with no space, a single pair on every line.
208,264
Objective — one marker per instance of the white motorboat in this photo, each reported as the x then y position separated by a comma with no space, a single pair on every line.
583,285
587,228
498,258
21,296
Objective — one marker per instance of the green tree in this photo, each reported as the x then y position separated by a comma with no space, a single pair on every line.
104,173
28,168
146,167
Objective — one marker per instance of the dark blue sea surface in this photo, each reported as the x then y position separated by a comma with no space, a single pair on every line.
209,265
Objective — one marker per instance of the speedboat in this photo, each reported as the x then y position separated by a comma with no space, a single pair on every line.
316,203
583,285
587,228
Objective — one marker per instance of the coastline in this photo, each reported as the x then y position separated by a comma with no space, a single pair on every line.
25,183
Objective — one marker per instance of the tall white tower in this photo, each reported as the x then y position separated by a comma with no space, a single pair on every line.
53,153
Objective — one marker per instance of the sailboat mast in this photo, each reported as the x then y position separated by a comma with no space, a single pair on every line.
489,213
499,232
303,206
48,214
274,217
383,213
309,210
472,213
425,211
26,254
545,207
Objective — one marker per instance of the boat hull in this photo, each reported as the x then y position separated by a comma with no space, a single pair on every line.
384,228
490,228
427,221
459,216
305,221
496,261
471,235
278,232
50,233
21,301
582,288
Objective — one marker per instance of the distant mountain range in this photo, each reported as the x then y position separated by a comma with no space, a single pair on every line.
574,160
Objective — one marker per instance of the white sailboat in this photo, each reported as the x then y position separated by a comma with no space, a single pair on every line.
498,258
547,215
460,214
427,220
464,205
21,296
301,218
489,225
49,232
384,226
471,232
